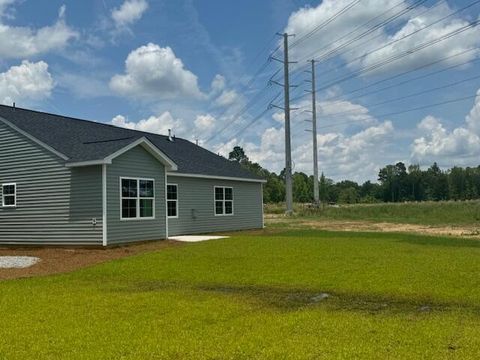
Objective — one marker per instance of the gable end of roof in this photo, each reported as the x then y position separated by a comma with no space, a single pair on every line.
34,139
144,143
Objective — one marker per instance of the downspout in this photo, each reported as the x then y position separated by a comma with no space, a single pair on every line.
104,204
166,207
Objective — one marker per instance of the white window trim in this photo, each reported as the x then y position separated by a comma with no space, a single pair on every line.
137,198
176,201
223,201
14,195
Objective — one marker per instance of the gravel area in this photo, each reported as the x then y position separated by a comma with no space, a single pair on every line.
17,262
61,260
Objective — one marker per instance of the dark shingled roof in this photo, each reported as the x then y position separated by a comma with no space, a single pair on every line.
83,140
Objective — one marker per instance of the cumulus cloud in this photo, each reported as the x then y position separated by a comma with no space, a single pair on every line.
226,98
22,42
343,153
388,43
460,146
154,124
402,41
129,12
28,81
153,72
205,122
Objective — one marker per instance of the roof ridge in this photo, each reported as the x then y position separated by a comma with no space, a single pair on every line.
88,121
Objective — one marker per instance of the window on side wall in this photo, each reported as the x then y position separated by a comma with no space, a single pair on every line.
223,201
9,195
172,200
137,198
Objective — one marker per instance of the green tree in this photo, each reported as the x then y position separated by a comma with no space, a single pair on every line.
238,155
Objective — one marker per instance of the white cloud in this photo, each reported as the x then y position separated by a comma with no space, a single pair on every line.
456,44
205,123
129,12
153,72
226,98
357,156
460,146
22,42
154,124
304,20
28,81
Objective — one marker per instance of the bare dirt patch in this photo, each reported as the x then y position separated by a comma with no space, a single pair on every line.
344,225
61,260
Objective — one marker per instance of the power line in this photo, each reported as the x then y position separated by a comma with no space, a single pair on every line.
451,101
407,81
324,24
400,56
424,66
405,36
367,32
254,120
446,86
237,115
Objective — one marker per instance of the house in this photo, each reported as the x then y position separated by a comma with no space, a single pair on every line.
67,181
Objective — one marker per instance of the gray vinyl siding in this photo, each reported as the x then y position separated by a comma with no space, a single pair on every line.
135,163
55,204
196,206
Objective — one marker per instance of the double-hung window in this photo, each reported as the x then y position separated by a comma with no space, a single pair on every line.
137,198
223,201
9,195
172,200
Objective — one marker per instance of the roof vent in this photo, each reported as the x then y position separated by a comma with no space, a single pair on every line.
13,106
170,138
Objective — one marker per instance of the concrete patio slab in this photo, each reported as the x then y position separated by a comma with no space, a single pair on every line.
196,238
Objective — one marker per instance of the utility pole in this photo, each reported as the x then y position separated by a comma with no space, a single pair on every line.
288,143
286,108
316,196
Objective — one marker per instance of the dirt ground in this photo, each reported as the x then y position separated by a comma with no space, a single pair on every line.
343,225
61,260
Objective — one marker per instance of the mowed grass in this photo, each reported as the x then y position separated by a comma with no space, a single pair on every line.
257,295
423,213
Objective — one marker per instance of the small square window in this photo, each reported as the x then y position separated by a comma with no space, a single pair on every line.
223,200
9,195
137,198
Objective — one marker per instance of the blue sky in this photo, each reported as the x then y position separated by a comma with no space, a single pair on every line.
190,65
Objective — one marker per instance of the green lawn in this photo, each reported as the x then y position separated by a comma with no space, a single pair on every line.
256,295
425,213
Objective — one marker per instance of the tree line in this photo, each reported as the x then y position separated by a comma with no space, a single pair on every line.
396,183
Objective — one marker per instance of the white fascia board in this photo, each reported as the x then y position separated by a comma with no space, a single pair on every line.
33,138
216,177
87,163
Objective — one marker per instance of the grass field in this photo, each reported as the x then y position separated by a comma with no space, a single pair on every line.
425,213
257,295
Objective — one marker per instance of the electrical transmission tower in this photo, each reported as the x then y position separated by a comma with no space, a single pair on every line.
316,196
288,143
